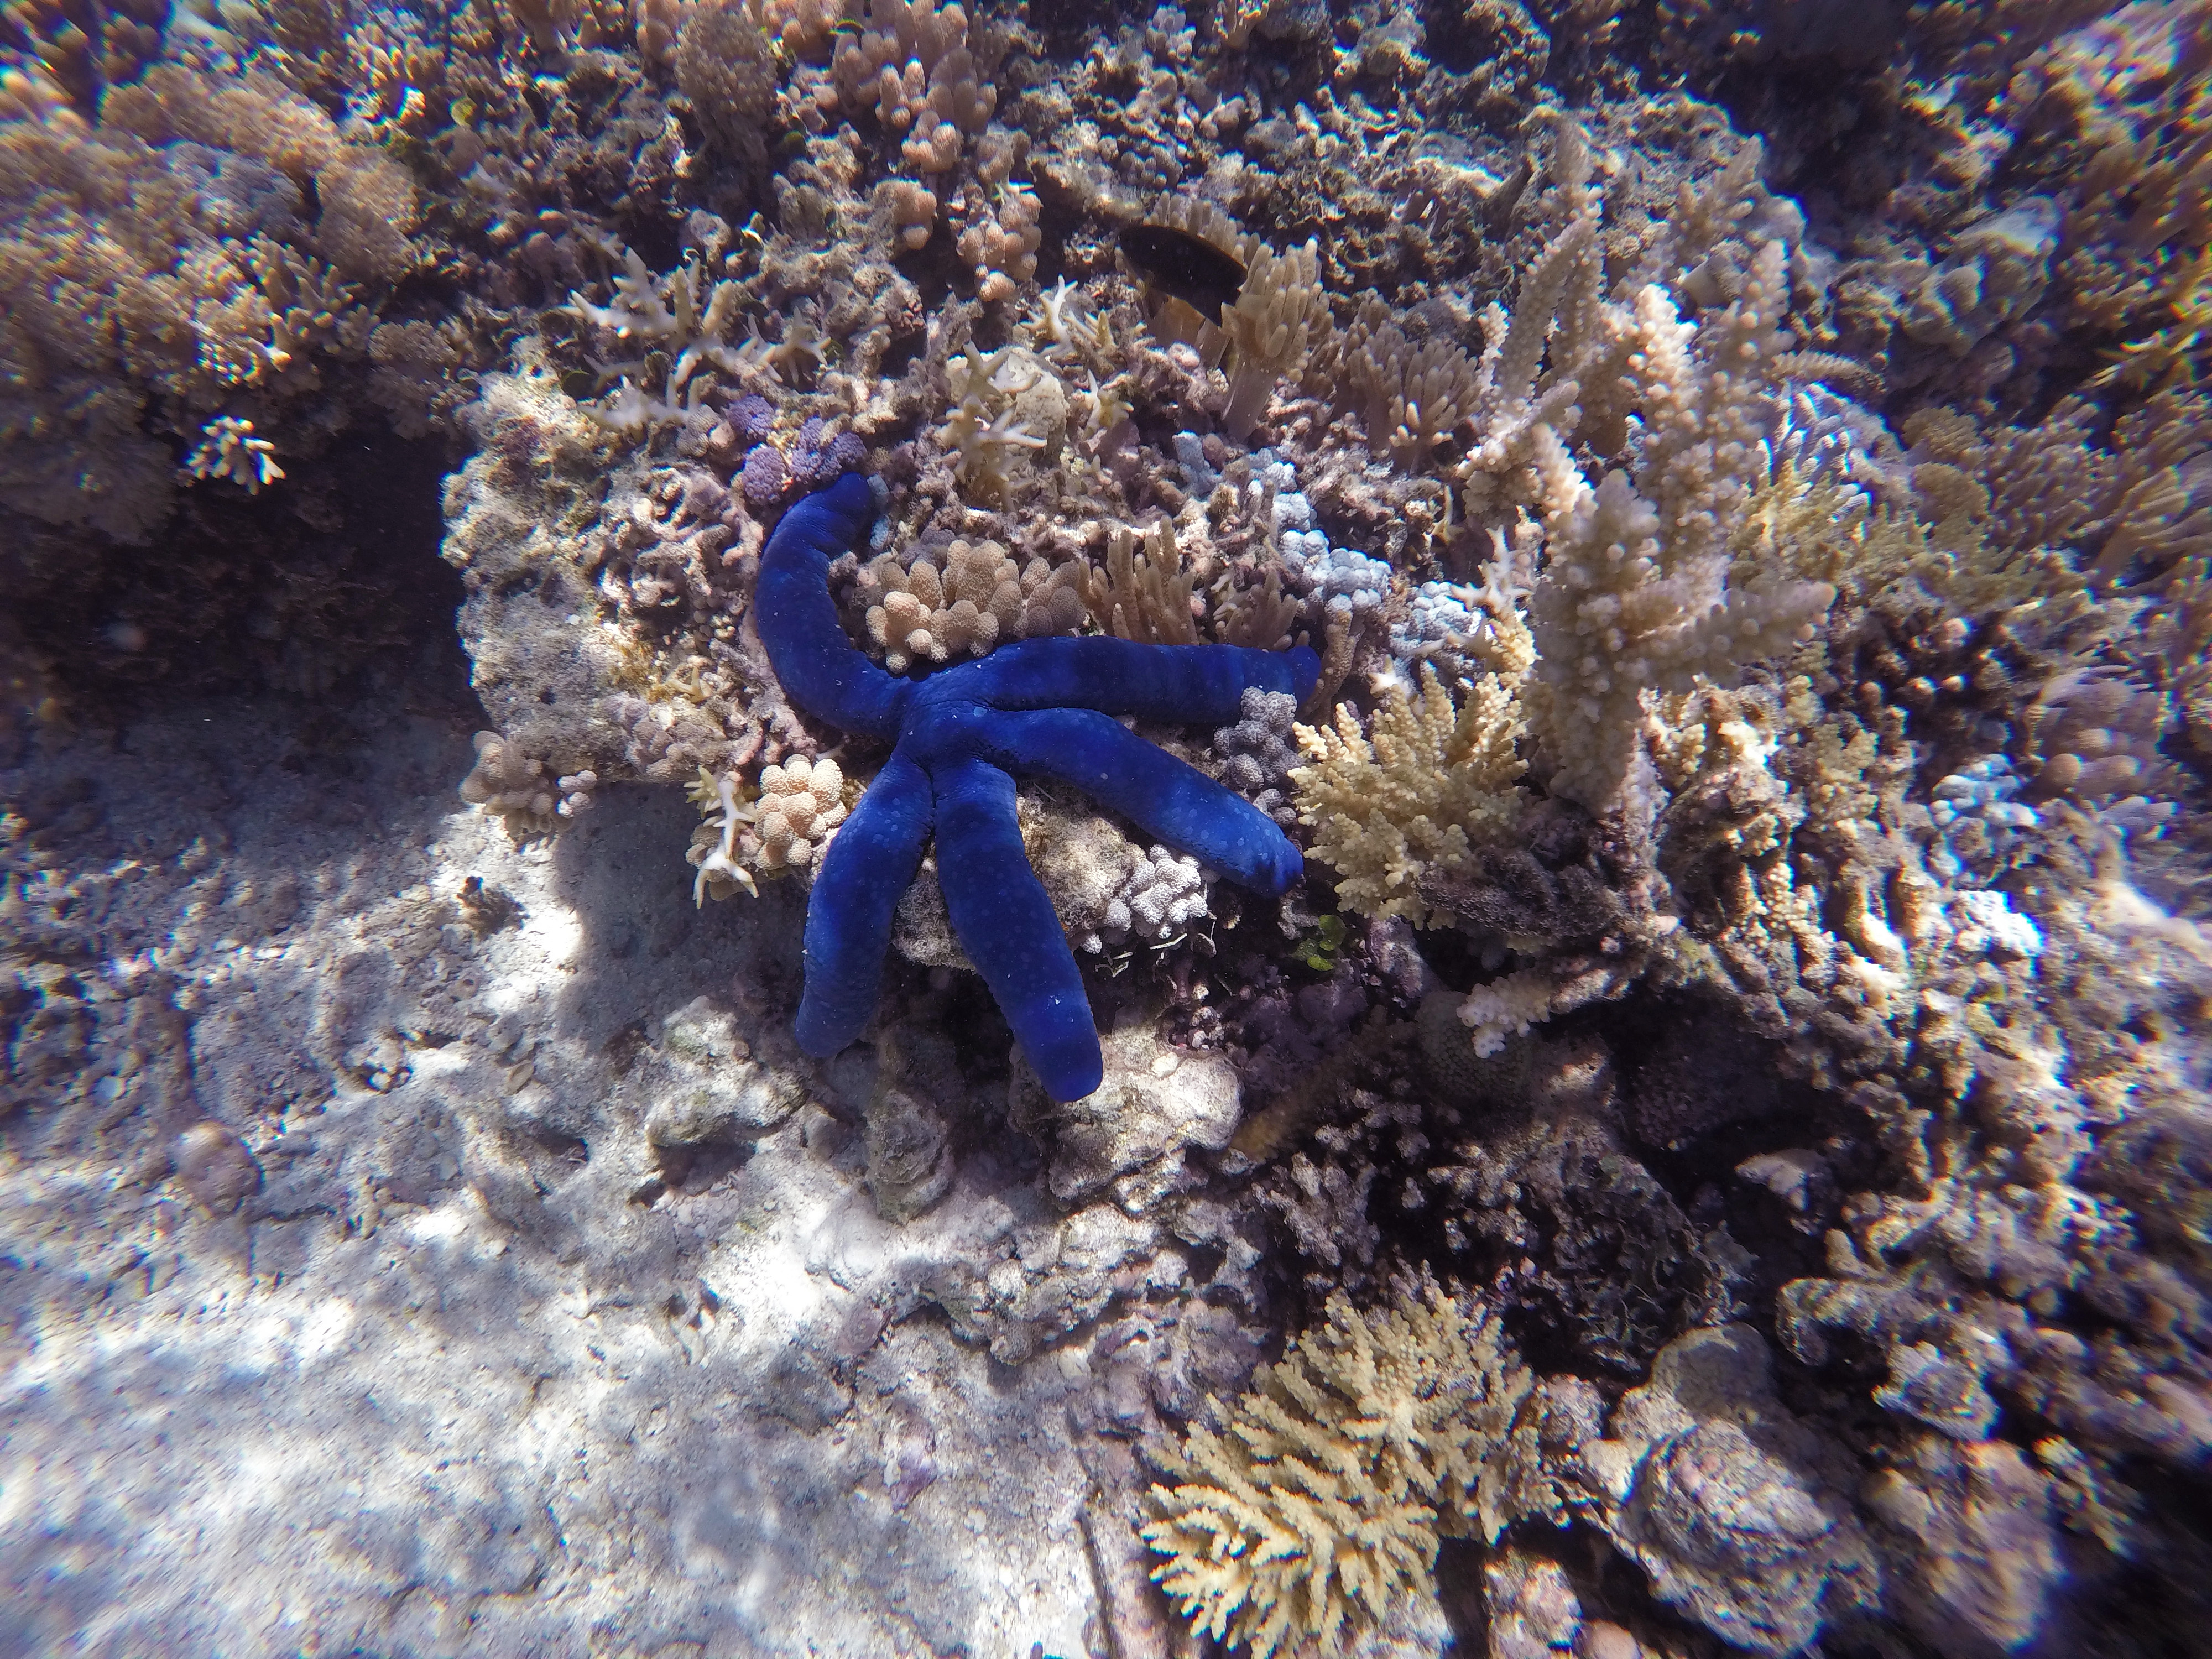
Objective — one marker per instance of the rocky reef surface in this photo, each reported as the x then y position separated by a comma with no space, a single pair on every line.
1710,1154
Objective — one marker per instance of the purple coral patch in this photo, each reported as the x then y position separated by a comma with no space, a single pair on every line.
765,477
752,417
816,467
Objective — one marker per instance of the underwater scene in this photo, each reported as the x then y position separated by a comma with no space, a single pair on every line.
1296,829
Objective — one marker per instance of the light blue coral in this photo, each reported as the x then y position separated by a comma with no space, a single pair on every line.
1984,790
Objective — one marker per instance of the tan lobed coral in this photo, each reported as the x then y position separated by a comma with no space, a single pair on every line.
79,50
962,602
1315,1514
1002,251
513,783
910,66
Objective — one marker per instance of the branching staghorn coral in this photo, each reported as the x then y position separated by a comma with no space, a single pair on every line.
996,406
685,321
1432,781
1517,393
2132,507
1639,592
1307,1522
2129,88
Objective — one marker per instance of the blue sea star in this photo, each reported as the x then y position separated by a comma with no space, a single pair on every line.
1041,706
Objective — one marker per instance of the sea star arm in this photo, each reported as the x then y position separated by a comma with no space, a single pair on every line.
1169,800
821,670
1008,926
870,863
1186,684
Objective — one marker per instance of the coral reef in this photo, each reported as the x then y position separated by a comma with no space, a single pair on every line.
1629,588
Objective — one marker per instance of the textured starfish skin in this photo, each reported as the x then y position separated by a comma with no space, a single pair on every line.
1041,706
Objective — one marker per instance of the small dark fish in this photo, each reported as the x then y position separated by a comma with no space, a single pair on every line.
1188,267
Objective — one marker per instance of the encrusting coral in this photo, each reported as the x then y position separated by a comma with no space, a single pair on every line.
1305,1521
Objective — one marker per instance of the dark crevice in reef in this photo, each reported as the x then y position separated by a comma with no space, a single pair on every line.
299,590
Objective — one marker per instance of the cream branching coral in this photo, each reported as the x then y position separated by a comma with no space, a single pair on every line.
1506,1008
1640,591
1431,782
787,825
229,449
1315,1513
1144,591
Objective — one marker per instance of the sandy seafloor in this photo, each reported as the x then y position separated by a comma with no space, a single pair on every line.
402,1403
